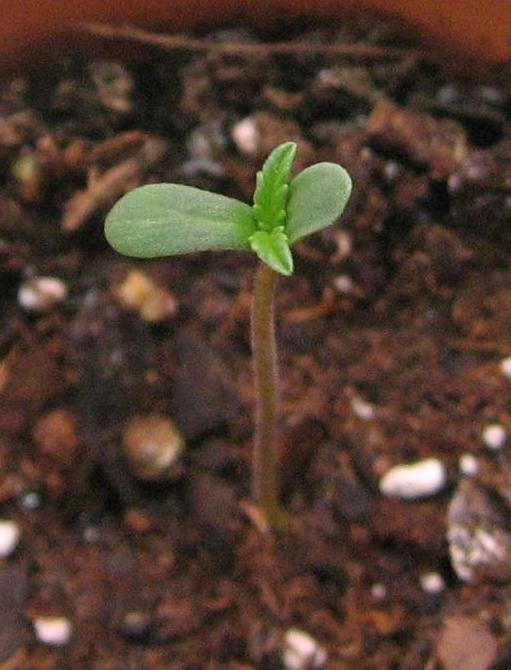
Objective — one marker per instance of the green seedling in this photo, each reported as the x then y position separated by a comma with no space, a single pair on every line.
169,219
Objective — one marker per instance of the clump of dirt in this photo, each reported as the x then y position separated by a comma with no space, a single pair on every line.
395,345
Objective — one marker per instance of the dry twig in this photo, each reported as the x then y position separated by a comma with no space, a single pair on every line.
106,187
186,43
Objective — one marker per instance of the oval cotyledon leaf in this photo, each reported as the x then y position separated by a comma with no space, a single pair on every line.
317,198
169,219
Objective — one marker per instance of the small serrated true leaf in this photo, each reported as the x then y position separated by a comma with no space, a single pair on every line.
317,198
168,219
273,249
271,192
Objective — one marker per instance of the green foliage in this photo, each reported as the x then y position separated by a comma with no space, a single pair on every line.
270,197
170,219
273,248
317,197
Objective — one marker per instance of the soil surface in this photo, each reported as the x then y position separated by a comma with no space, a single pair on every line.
394,334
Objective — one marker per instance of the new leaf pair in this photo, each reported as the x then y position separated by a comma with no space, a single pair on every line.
169,219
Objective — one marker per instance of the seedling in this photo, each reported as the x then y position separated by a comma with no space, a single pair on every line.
169,219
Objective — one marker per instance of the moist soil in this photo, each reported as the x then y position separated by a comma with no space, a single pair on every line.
393,332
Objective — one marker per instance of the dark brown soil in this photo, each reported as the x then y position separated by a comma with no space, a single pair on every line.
392,335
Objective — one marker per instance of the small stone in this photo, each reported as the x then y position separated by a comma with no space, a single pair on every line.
432,583
205,141
344,243
391,170
56,436
91,534
31,500
448,94
139,293
9,537
152,446
54,631
114,85
27,171
505,367
492,95
378,592
468,465
136,626
158,306
363,409
466,644
415,480
302,652
245,135
343,284
494,436
478,535
137,521
41,294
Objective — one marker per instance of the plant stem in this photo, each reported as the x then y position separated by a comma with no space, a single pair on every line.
266,378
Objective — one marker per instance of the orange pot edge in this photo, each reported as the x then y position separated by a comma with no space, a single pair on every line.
474,28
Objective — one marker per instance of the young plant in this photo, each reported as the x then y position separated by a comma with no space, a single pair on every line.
169,219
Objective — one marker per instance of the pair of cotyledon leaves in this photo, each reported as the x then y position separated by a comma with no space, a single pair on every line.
169,219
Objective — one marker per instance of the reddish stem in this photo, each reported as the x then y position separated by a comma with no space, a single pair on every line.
266,377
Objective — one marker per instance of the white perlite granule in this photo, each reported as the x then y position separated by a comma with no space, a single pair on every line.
301,651
40,294
54,631
468,465
494,436
415,480
9,537
245,135
432,583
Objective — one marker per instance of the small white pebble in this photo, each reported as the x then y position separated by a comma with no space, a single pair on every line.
343,283
505,363
40,294
432,583
474,172
329,77
454,183
447,94
9,537
194,167
378,592
91,534
344,243
246,136
415,480
391,170
490,544
199,145
494,436
301,651
468,465
492,95
363,409
54,631
31,500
